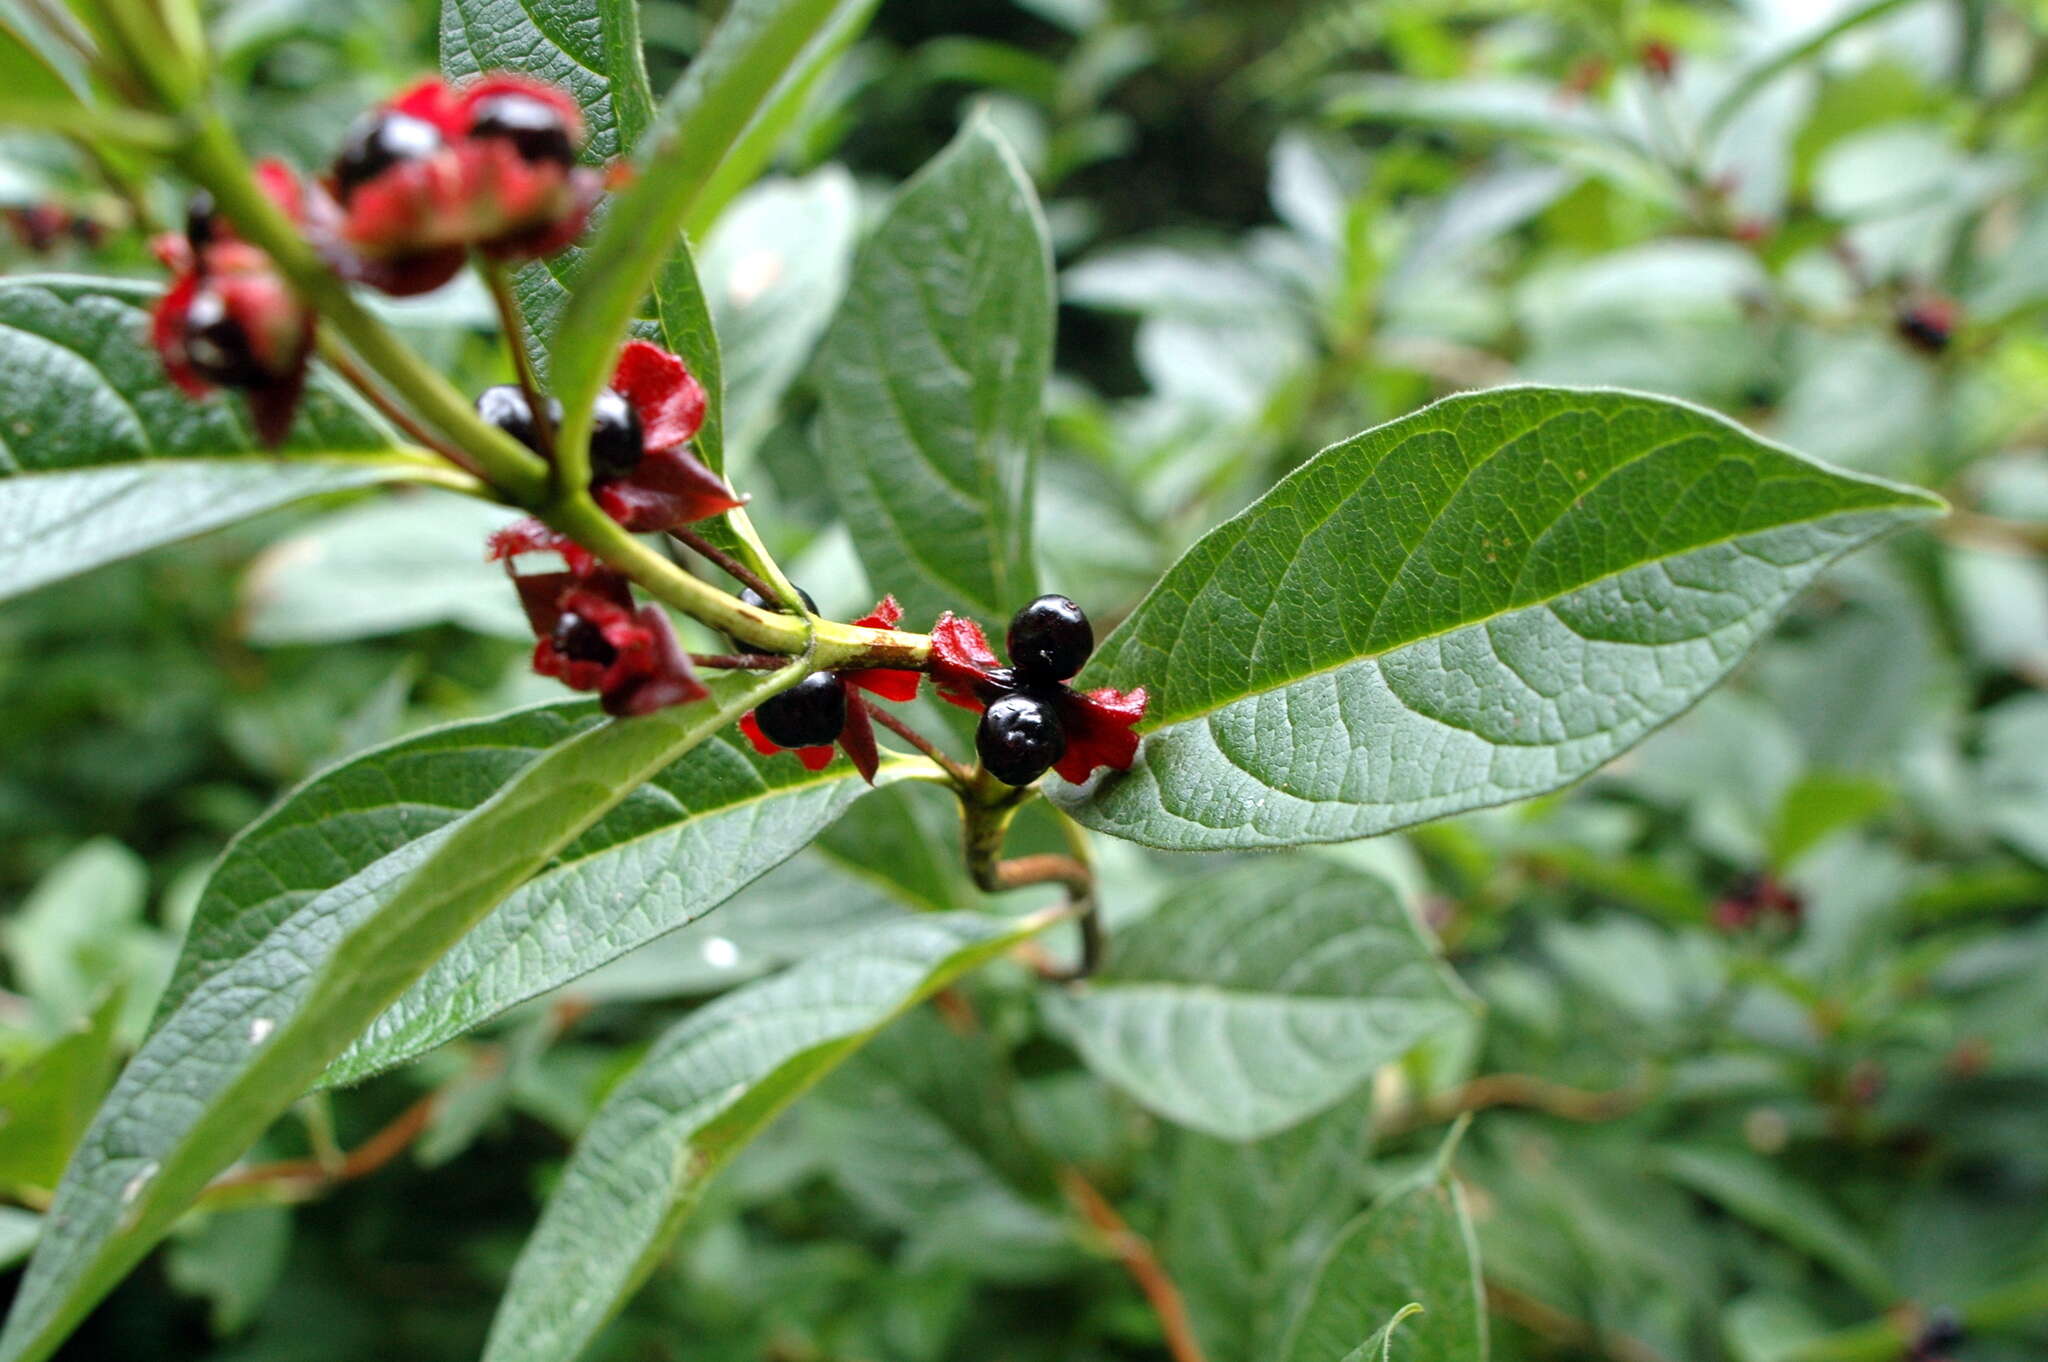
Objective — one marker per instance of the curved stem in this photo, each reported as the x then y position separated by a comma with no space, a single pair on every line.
337,357
1135,1253
962,776
731,566
512,324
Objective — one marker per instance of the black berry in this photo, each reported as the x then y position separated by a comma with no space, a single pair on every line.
535,127
378,141
1019,738
809,714
1050,639
616,441
579,640
217,345
199,211
505,407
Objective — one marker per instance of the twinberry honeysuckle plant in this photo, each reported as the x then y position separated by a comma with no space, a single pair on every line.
1476,603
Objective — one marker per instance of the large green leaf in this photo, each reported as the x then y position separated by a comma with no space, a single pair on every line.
1414,1246
1479,602
1259,996
672,850
760,51
246,1041
101,457
1247,1223
932,378
591,48
704,1090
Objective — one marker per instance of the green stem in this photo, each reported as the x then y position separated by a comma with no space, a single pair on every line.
834,646
214,160
126,127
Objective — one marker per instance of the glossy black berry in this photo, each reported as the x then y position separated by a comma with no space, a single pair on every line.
1019,739
1049,639
616,442
535,127
579,640
378,141
505,407
199,211
217,345
809,714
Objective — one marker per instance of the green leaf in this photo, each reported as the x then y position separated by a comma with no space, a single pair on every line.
46,1103
250,1038
591,48
1259,996
31,76
706,1088
932,380
19,1231
759,50
1782,1206
101,457
671,851
1413,1247
1476,603
1247,1224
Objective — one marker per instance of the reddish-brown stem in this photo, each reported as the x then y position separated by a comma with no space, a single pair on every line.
753,662
1046,867
1518,1090
960,774
343,363
731,566
306,1176
1135,1253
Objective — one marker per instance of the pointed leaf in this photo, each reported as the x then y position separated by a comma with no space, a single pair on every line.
670,852
1259,996
706,1088
1476,603
247,1040
1413,1247
932,379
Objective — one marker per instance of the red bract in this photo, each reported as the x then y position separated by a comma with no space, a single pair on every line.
408,225
670,486
229,319
1099,724
857,739
592,638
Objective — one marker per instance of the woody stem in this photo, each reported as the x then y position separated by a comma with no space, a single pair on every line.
731,566
961,775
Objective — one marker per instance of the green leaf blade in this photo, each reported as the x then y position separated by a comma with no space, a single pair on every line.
1473,604
1260,996
708,1085
932,378
246,1041
590,48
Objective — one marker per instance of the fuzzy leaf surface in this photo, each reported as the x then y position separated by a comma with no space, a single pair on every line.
1259,996
932,378
247,1040
1480,602
706,1088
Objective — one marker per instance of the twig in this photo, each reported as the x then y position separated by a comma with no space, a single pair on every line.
960,774
1132,1249
731,566
303,1178
1518,1090
512,321
1553,1324
337,358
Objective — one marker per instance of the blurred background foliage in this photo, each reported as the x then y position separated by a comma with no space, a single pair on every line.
1764,1045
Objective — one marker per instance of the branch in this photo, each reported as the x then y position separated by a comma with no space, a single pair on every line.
1132,1249
961,775
1518,1090
731,566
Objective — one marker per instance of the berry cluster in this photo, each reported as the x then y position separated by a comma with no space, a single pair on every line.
1032,720
641,469
442,170
1757,898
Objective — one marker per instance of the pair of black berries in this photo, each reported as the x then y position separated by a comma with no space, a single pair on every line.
617,442
1020,735
384,138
